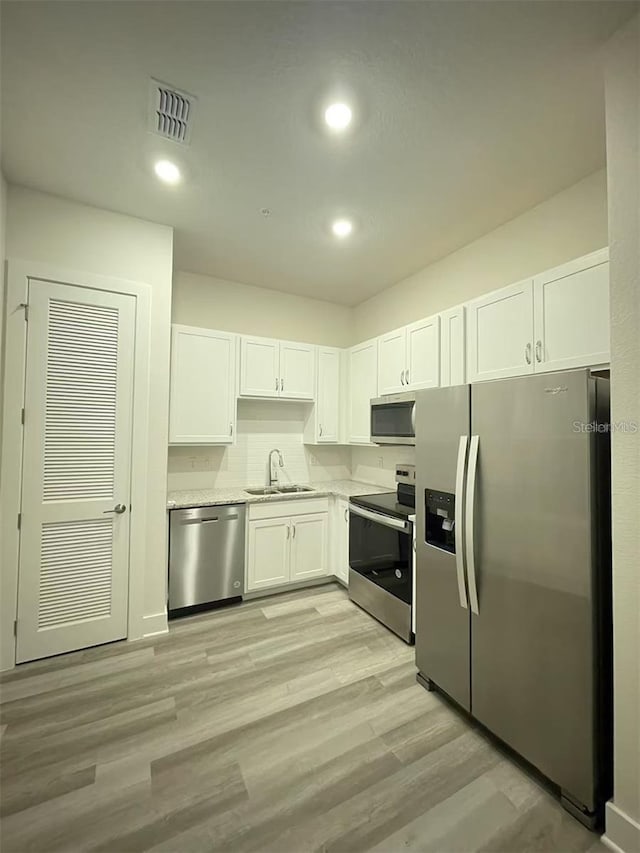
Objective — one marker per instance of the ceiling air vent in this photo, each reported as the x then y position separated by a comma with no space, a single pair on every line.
170,112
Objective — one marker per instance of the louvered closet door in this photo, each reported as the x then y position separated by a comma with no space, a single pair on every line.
74,551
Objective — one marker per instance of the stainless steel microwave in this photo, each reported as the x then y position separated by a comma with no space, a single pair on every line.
393,419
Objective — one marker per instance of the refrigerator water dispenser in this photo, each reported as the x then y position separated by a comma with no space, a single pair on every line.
440,520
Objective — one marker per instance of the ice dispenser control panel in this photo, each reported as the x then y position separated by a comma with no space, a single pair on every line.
440,520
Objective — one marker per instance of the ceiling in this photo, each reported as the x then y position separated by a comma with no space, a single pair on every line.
465,115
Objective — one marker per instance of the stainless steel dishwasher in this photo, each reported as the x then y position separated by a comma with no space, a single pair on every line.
206,556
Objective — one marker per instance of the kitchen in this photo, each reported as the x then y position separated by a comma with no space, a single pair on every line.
291,411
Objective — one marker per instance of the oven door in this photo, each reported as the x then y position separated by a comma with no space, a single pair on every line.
393,420
381,566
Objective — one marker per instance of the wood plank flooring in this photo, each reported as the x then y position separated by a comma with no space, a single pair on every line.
289,724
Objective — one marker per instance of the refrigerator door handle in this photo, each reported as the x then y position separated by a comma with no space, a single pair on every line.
459,537
468,523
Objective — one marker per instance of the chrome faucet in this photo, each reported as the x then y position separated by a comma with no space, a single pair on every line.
273,473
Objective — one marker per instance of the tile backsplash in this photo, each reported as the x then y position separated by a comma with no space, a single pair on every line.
378,464
262,425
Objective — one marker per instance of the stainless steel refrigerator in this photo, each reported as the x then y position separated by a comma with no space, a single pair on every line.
513,578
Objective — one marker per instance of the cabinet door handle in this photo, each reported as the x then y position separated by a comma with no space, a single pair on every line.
346,515
293,535
527,353
321,429
288,531
230,429
406,377
402,377
277,385
282,384
539,351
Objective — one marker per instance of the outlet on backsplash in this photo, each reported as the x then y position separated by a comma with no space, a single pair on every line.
200,463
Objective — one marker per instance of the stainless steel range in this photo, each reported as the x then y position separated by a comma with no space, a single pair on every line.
381,553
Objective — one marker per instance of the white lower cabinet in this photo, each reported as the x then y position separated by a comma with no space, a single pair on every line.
287,542
309,541
340,540
269,552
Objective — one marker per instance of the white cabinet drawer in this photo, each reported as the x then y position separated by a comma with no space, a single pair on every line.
286,508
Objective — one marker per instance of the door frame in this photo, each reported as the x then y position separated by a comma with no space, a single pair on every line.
19,274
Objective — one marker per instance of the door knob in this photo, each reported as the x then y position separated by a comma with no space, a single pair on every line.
118,509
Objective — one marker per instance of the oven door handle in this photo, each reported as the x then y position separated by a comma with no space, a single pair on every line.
385,520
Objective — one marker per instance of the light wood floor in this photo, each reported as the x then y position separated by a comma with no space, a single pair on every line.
287,724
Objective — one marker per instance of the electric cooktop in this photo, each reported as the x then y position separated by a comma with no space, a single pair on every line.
385,502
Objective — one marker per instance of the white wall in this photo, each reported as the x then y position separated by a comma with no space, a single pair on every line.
262,425
568,225
65,234
622,79
3,228
233,307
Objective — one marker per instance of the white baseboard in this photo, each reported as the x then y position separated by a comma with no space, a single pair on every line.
622,831
155,623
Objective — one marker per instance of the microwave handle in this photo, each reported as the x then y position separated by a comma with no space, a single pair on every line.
385,520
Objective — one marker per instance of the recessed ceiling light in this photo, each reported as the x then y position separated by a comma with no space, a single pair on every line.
342,228
338,116
167,171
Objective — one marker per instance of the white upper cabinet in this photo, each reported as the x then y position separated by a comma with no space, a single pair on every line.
328,395
259,367
452,346
392,362
203,386
409,358
556,321
500,333
271,368
363,386
423,354
297,371
571,310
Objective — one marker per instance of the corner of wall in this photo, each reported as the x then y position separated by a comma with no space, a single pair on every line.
622,97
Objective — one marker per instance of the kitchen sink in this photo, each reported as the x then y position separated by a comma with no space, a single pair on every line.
279,490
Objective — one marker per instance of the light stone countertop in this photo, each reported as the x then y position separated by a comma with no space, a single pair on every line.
214,497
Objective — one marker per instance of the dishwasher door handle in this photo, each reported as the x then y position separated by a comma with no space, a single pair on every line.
211,520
